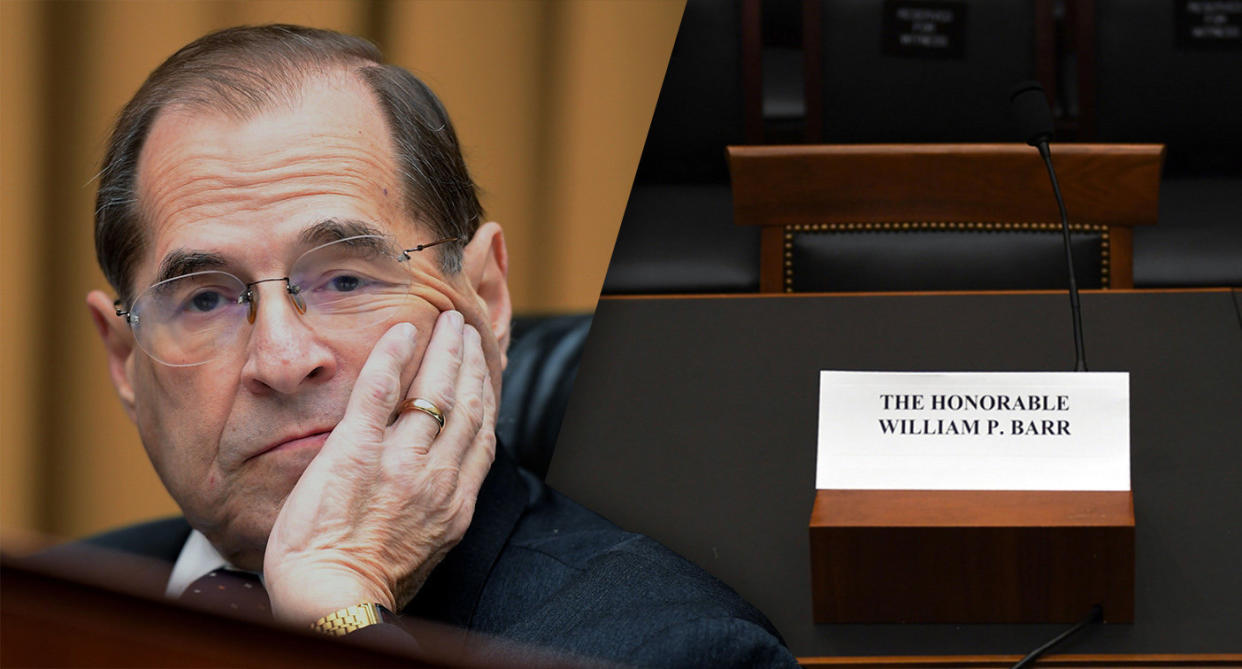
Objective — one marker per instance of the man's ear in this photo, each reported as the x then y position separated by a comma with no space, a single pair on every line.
485,262
118,341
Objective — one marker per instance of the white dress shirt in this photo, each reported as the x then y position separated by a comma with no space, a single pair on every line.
197,559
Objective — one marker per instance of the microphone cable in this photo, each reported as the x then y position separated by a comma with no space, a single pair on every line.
1097,613
1034,120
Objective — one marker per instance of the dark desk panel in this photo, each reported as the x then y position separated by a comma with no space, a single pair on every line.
694,420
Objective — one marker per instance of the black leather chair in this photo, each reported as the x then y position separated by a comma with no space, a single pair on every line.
860,89
1143,81
544,353
677,234
1144,78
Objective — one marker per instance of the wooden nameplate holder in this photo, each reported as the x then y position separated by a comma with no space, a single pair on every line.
947,556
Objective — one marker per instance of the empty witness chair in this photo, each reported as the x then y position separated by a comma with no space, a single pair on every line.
909,217
1171,72
677,234
920,72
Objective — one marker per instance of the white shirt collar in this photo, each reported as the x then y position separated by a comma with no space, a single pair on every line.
198,557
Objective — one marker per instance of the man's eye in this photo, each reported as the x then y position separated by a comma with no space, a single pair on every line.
205,301
344,283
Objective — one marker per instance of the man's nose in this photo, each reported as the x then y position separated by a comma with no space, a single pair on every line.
283,354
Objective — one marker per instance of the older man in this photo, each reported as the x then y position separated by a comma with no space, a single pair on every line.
309,332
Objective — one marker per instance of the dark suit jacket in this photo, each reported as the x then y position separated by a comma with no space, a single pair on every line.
538,569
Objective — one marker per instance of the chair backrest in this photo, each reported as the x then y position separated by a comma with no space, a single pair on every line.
543,362
677,233
893,71
700,108
1166,71
941,216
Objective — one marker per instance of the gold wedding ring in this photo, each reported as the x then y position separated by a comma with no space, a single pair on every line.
425,406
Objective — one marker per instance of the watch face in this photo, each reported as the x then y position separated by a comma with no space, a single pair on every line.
387,617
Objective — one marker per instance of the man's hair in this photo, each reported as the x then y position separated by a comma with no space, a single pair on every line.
244,71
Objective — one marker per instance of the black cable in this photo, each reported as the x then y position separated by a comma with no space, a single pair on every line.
1097,612
1080,353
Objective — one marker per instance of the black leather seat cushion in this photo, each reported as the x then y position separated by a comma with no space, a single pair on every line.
1198,241
677,234
941,260
681,239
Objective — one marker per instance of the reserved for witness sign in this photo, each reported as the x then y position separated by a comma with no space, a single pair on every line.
974,431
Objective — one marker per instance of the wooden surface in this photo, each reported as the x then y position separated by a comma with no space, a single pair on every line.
50,618
1046,50
1105,184
1080,20
54,622
1120,256
971,508
813,70
771,259
971,556
752,71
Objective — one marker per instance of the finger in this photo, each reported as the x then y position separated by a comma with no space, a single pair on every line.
463,424
480,454
435,381
469,475
378,388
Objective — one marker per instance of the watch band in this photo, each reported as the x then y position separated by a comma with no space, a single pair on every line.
346,620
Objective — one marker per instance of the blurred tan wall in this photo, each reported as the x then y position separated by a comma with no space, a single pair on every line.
551,101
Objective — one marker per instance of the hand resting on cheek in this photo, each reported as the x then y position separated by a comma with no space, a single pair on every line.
384,501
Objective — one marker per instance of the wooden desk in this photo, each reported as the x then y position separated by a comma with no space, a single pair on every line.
694,420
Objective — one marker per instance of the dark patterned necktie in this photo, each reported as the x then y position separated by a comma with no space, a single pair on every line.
228,592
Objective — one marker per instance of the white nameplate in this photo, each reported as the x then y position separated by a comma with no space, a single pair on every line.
974,431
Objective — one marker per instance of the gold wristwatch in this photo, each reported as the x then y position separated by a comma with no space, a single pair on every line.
346,620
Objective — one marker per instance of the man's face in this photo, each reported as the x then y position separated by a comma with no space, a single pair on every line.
231,437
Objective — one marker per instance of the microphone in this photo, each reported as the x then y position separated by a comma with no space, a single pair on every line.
1030,110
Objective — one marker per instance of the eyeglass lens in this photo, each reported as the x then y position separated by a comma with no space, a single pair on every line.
339,287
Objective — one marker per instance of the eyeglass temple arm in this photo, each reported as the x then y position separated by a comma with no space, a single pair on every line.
437,242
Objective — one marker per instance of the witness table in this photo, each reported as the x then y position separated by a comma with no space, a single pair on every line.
694,420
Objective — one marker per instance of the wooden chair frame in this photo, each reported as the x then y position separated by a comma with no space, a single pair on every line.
1113,186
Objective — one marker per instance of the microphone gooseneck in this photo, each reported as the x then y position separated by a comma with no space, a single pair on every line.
1030,110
